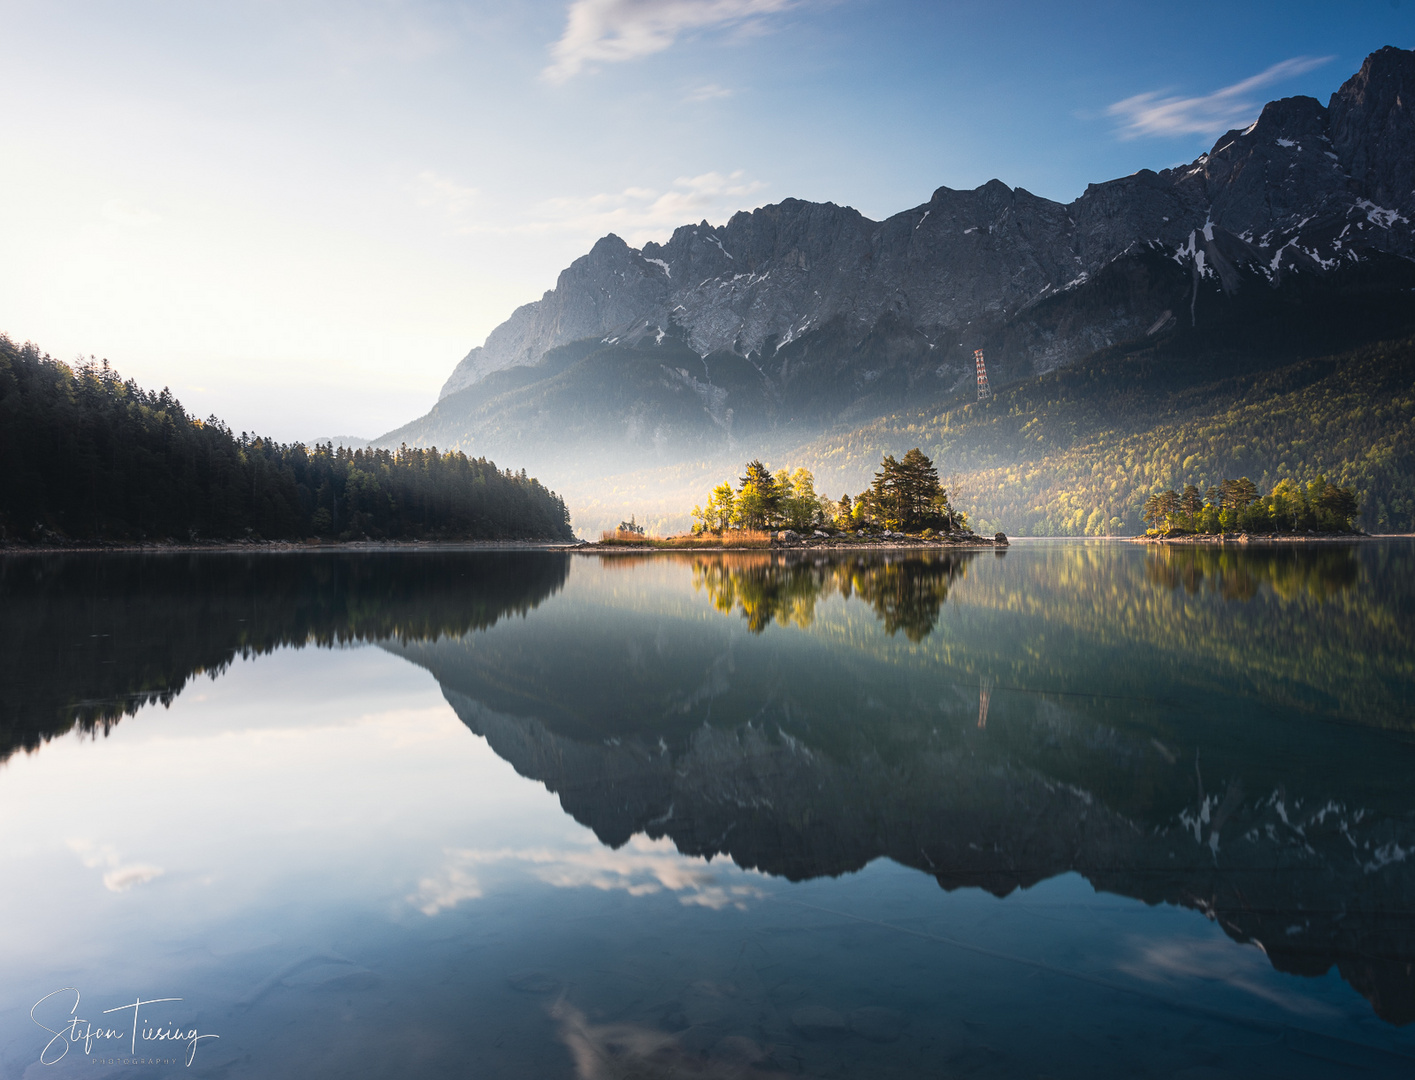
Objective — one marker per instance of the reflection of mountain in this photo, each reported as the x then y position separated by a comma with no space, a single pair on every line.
906,592
88,639
812,753
1327,630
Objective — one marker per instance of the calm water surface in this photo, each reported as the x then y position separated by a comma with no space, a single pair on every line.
1074,810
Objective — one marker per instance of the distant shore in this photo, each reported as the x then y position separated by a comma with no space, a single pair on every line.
255,547
1222,539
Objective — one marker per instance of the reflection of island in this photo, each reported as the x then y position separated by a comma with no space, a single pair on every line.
88,639
1236,573
906,592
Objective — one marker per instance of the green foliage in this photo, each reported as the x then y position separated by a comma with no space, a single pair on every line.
800,506
1081,450
1235,504
631,526
758,498
763,500
906,495
89,456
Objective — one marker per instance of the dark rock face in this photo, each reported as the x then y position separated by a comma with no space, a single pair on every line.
1371,128
1304,189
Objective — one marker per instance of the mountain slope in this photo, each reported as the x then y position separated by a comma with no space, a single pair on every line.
802,318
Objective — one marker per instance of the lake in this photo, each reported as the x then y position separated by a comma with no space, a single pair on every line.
1070,810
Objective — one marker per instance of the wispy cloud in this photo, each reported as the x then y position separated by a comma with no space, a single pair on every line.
707,92
612,31
642,867
1157,113
636,214
1246,970
454,199
120,876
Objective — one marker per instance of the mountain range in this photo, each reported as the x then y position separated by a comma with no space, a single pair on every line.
802,320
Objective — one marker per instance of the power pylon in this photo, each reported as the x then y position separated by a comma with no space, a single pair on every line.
983,391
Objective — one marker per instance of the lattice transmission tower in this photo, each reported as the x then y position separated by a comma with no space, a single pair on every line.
983,391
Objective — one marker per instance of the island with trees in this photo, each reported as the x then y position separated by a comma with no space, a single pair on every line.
905,503
90,457
1237,508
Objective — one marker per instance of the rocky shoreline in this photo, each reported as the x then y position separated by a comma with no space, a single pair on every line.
1220,539
789,540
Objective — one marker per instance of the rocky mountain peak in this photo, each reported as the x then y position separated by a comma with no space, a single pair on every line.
1303,189
1373,127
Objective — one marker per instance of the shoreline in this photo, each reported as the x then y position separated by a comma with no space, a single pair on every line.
977,543
284,547
811,543
1250,539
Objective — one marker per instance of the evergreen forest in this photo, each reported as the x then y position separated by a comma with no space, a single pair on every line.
1080,451
905,494
89,456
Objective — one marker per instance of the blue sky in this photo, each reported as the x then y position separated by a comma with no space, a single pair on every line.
299,215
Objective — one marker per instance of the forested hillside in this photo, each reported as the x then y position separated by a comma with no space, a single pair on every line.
1077,452
89,456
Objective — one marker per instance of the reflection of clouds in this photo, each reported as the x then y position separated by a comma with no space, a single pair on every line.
1216,962
640,868
120,877
446,890
613,1051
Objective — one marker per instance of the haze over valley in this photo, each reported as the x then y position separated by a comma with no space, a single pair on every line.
807,331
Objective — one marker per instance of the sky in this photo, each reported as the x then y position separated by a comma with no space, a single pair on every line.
300,214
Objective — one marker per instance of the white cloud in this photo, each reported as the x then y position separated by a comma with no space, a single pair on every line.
707,92
640,214
441,192
611,31
1212,114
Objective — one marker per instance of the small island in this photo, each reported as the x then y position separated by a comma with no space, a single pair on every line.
1235,511
904,506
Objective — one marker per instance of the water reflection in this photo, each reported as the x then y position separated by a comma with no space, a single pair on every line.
85,640
1218,731
906,592
1238,573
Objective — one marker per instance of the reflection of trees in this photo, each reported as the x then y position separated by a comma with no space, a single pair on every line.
1238,573
907,592
87,640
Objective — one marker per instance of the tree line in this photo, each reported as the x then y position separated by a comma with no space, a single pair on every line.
905,495
1076,452
88,455
1236,505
